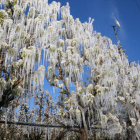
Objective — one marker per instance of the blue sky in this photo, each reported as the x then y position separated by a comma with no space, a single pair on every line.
104,12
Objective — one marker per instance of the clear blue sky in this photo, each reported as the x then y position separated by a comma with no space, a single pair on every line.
104,12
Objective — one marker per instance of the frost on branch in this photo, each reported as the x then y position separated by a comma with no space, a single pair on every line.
2,86
109,99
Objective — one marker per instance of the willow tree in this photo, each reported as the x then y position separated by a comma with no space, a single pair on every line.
109,96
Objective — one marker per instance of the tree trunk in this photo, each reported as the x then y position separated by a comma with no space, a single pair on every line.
40,108
128,123
47,111
84,136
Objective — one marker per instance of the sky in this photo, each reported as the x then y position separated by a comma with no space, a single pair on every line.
104,13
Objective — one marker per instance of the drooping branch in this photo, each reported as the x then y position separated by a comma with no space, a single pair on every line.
7,93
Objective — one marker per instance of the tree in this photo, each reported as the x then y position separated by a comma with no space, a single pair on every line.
18,54
106,100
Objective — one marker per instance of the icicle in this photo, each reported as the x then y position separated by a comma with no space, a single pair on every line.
55,132
6,120
78,116
15,115
48,133
39,130
28,134
67,136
